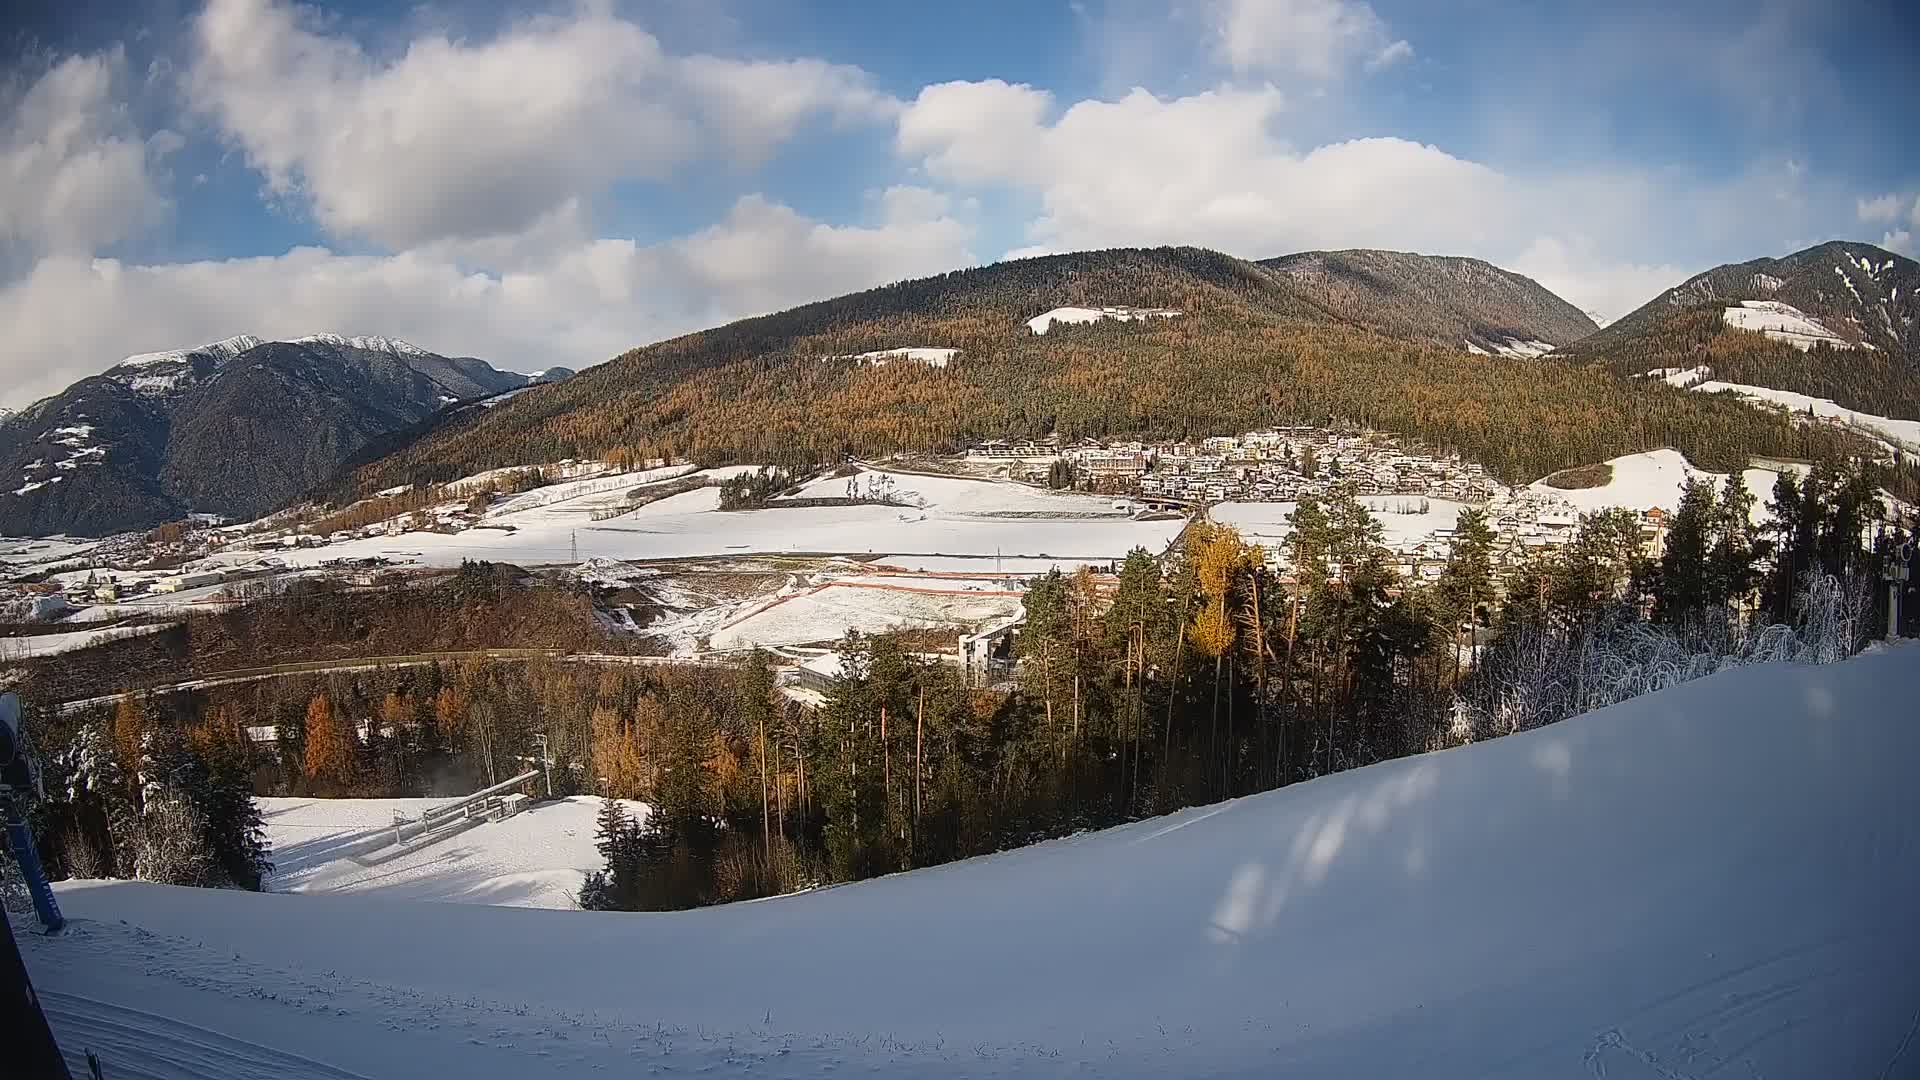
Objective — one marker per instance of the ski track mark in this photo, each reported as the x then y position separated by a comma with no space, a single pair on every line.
144,1045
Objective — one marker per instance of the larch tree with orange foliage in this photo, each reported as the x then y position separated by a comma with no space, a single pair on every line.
329,748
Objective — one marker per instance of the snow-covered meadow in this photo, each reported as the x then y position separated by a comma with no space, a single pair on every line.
941,516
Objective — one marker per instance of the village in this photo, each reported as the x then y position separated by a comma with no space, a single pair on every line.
1253,480
947,554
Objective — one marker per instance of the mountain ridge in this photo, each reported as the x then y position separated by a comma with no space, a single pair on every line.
1143,343
1839,320
233,427
1459,300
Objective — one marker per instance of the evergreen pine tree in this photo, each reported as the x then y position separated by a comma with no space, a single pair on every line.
1685,586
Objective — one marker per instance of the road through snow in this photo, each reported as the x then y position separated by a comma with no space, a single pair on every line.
1717,880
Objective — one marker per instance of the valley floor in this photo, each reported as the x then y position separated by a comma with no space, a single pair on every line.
1717,880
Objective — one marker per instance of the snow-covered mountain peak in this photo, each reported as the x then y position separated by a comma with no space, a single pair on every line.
369,342
1599,320
224,349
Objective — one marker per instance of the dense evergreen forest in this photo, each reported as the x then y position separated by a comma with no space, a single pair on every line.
1253,348
1200,677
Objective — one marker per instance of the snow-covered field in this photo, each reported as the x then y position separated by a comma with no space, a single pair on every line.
1655,478
916,354
1041,323
1266,522
43,550
1716,880
1904,434
27,647
1783,322
829,611
535,859
949,516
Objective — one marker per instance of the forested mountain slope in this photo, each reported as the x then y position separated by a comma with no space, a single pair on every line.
1836,321
1452,302
236,428
1253,346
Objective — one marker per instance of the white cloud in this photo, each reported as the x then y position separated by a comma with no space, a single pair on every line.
1216,169
74,174
458,140
1572,269
1390,56
1880,208
1900,242
1316,39
576,305
1207,169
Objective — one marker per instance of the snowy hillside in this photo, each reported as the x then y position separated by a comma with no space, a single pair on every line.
1783,322
1654,478
1040,324
1514,348
534,859
1715,880
913,354
1897,434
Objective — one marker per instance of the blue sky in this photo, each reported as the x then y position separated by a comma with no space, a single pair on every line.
553,183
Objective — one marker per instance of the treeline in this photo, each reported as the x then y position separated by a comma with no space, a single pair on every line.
401,732
479,606
1253,349
1202,680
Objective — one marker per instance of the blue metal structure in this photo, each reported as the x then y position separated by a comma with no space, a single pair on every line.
19,781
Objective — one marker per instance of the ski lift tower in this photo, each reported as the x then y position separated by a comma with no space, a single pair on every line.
1899,569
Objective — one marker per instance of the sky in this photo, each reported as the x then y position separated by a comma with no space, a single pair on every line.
540,184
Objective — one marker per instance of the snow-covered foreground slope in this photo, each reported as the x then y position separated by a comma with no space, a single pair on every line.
534,859
1715,880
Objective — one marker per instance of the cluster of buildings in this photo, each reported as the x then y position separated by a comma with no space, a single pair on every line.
1277,465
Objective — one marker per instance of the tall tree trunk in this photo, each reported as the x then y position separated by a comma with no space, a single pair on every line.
919,741
1213,723
1046,675
766,823
1173,686
1233,683
1139,710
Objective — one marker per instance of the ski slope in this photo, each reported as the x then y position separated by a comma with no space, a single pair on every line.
535,859
1717,880
1656,478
